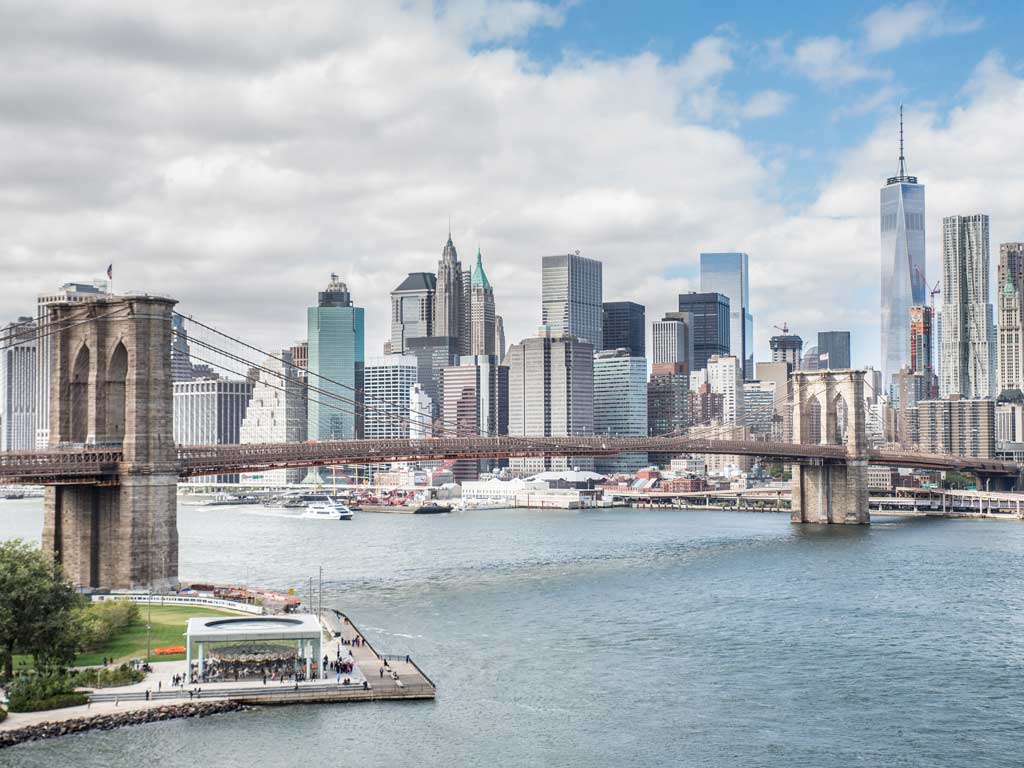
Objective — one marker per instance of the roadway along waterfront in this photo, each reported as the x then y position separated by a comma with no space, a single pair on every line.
622,637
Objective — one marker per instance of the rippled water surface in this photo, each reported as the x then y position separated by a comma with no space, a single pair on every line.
622,638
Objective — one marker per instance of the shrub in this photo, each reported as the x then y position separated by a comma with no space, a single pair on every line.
107,678
35,692
99,622
3,714
59,701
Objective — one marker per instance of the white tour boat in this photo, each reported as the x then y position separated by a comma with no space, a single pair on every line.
323,507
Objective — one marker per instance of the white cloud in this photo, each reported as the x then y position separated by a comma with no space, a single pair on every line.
492,21
833,61
892,26
707,60
765,104
235,172
886,96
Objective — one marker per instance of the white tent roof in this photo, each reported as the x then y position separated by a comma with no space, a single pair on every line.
569,476
217,629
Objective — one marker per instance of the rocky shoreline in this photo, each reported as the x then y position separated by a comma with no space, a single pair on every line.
116,720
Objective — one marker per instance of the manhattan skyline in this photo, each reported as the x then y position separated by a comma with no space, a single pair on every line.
237,192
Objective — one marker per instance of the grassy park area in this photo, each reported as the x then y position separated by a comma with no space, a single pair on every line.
130,643
168,629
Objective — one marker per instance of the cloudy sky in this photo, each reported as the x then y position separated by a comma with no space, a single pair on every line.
233,154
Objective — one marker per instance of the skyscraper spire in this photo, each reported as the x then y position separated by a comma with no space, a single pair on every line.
902,170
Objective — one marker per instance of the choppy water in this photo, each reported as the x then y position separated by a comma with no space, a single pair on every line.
622,638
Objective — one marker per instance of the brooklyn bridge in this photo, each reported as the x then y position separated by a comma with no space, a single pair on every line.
112,470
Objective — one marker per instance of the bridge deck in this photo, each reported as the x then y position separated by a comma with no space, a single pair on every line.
99,464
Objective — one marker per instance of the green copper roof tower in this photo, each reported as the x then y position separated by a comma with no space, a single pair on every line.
481,308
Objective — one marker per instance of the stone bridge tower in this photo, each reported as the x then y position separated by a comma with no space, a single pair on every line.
828,409
110,384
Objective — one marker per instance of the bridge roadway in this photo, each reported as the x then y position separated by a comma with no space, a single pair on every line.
98,465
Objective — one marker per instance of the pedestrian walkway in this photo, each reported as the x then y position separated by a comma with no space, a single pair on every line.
384,672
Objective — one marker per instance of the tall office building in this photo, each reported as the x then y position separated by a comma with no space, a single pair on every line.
622,326
300,357
672,338
959,426
481,311
276,413
210,412
499,337
921,335
787,348
19,363
668,399
388,382
834,348
968,355
706,407
1011,317
412,309
571,297
335,364
759,410
725,377
903,263
729,275
432,355
451,305
181,357
710,328
69,292
474,401
620,405
810,362
551,394
778,373
421,409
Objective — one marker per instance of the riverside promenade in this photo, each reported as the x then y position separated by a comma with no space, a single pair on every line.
375,677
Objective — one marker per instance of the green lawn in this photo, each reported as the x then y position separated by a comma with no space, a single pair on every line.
168,629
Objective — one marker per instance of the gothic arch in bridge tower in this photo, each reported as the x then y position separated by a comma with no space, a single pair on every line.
840,420
810,421
79,396
828,409
115,393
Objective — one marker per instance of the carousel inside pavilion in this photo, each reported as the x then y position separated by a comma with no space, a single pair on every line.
253,648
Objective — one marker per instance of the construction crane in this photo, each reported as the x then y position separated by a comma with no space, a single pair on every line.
933,291
784,328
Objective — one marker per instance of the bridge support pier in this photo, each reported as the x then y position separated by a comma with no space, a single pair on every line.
110,384
115,537
830,493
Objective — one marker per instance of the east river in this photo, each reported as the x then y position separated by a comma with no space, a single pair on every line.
622,638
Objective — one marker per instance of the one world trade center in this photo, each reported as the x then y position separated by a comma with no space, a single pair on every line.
903,265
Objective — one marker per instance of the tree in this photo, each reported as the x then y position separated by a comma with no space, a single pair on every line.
37,608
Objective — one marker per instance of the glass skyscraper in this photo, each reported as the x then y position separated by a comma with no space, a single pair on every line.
571,296
729,275
903,264
623,327
336,364
709,331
